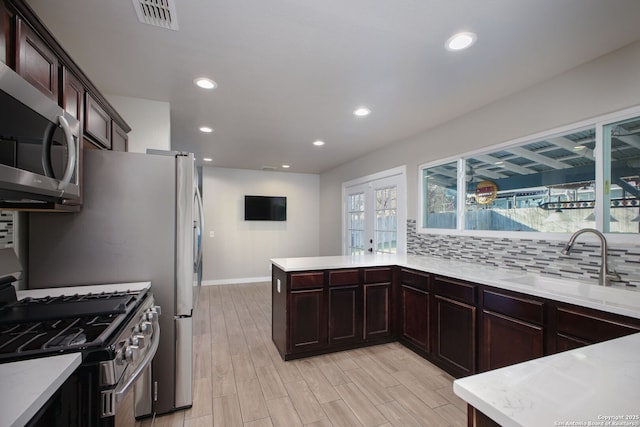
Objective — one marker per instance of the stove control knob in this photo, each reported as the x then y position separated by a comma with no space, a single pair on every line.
146,328
130,353
139,340
156,309
151,315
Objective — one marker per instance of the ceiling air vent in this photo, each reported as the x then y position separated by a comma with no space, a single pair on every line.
159,13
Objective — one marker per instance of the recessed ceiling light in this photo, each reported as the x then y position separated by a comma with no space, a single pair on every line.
318,143
460,41
286,166
499,163
207,159
205,83
579,147
206,129
361,112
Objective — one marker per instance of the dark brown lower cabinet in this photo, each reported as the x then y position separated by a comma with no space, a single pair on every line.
415,317
307,320
377,311
345,316
507,341
455,335
580,326
512,329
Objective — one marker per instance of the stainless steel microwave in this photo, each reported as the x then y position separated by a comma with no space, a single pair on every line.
39,146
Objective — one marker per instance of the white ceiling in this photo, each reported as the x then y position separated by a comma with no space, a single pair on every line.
292,71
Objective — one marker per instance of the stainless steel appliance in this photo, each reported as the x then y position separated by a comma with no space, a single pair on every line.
116,329
39,146
138,223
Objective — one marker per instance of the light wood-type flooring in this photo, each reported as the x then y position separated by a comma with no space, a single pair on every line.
240,379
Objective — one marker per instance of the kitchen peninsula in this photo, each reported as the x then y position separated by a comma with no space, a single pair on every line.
466,318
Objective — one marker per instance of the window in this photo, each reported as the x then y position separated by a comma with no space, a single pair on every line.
622,176
440,196
559,182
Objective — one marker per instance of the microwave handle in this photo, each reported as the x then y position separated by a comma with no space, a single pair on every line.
71,149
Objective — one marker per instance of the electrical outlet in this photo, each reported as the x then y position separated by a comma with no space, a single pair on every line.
212,233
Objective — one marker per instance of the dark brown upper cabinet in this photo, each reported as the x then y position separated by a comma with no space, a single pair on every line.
35,61
97,123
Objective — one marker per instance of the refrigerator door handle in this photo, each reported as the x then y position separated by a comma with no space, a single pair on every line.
200,207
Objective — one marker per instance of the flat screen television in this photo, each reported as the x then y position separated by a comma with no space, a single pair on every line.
265,208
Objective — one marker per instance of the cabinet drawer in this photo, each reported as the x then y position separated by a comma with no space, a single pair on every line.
592,326
529,310
344,277
415,279
377,275
454,289
307,280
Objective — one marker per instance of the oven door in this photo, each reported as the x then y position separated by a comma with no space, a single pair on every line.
39,145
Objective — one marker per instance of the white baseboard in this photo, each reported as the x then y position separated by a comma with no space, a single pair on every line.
236,281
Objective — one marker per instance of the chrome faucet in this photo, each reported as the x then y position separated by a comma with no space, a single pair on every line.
606,276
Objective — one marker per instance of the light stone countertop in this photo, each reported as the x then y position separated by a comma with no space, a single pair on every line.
27,385
616,299
585,386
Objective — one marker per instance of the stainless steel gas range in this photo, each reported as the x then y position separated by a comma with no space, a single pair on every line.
114,327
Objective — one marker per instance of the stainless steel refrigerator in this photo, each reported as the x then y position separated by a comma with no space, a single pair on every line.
141,220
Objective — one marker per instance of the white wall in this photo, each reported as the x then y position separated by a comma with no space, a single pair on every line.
240,250
607,84
150,122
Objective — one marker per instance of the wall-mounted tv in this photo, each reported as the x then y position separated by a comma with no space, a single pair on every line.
265,208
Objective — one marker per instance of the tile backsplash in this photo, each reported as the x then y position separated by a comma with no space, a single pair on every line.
531,255
6,229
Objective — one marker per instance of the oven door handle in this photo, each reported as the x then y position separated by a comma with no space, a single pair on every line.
122,389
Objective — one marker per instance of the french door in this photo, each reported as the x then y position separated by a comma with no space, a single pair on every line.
375,214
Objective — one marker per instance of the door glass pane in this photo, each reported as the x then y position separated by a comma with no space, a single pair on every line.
622,176
440,193
355,223
546,185
386,226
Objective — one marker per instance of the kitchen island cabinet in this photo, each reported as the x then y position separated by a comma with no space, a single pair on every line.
330,310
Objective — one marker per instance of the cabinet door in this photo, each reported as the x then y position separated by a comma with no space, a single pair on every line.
579,326
507,341
97,123
306,320
455,334
415,317
35,61
72,95
119,138
345,314
377,311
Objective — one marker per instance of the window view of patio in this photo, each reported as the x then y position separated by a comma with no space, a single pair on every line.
544,185
622,156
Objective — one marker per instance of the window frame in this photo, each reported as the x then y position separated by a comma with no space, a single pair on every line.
600,170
